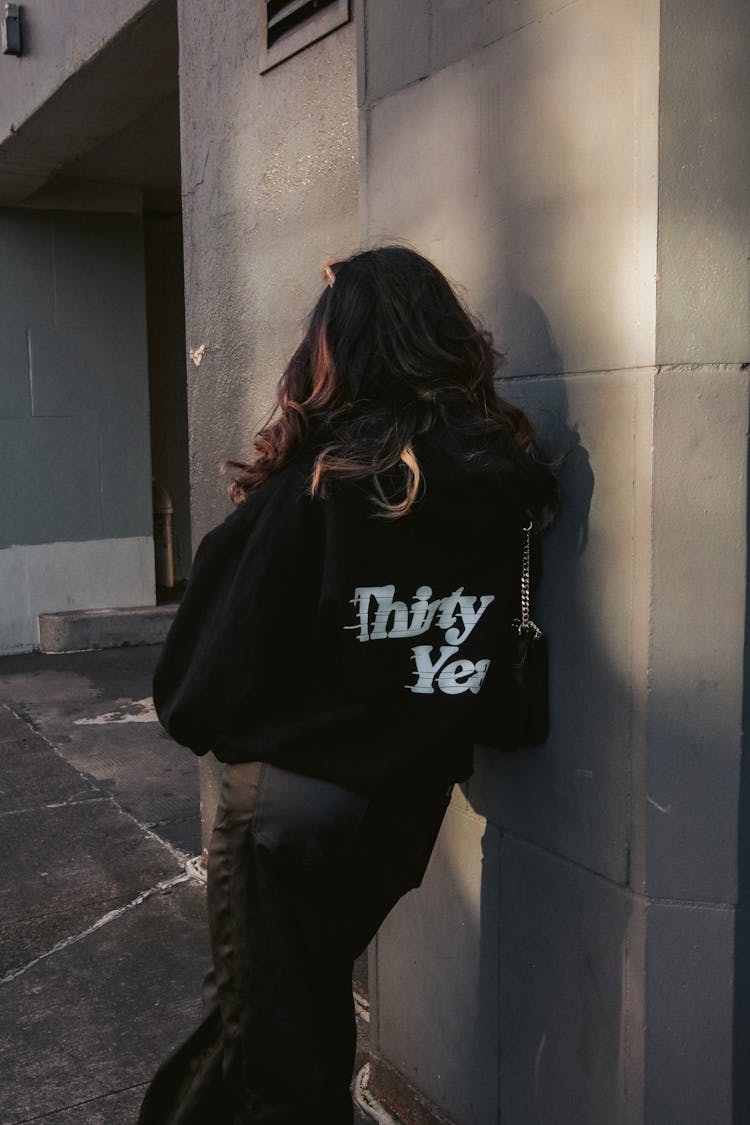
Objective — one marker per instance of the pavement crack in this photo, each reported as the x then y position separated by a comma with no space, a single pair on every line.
84,1101
105,919
55,805
181,856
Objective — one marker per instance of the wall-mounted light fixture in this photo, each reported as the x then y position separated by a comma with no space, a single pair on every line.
11,30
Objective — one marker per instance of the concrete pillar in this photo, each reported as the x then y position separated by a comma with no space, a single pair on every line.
577,953
269,181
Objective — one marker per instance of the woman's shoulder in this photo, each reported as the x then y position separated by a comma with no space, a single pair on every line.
269,510
489,463
287,485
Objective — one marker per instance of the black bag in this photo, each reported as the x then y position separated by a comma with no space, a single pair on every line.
514,700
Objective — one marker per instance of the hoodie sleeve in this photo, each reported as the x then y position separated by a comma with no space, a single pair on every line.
251,599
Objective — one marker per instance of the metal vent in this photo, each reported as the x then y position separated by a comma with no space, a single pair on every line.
287,26
282,17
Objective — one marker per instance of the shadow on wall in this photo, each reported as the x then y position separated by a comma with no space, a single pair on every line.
556,929
549,992
519,929
508,930
551,254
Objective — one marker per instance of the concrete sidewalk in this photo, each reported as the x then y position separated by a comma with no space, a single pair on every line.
103,940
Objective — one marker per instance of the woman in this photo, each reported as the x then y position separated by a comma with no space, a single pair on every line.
330,650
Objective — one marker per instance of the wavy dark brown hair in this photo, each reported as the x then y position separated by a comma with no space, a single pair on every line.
389,351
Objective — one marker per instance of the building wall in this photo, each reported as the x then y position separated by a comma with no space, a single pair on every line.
269,171
59,37
270,190
75,526
691,846
555,966
87,73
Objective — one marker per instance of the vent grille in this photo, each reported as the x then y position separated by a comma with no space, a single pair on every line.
288,26
282,18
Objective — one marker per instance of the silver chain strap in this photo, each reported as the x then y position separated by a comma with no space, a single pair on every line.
524,624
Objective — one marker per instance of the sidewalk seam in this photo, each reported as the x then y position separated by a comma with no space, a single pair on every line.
110,916
56,805
84,1101
177,853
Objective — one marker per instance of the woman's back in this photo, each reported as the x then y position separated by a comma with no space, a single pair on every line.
321,637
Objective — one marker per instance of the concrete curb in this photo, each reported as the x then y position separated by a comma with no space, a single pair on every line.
83,630
366,1100
397,1100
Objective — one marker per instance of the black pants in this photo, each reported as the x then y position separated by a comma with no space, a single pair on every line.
300,875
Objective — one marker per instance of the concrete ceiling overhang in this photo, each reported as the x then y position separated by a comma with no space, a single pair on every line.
99,123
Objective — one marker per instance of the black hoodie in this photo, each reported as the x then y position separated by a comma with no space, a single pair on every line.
320,636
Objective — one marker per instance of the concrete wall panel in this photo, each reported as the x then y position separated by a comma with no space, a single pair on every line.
698,634
15,388
125,476
17,629
398,45
563,992
704,167
406,42
447,971
81,476
689,1032
27,290
95,574
99,279
79,370
572,794
540,145
460,27
585,1032
54,466
74,426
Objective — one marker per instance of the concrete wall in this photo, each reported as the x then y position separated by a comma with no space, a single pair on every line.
704,155
270,187
59,37
571,956
86,72
269,170
75,525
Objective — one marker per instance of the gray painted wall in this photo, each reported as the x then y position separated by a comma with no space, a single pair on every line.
74,407
572,956
75,529
75,512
